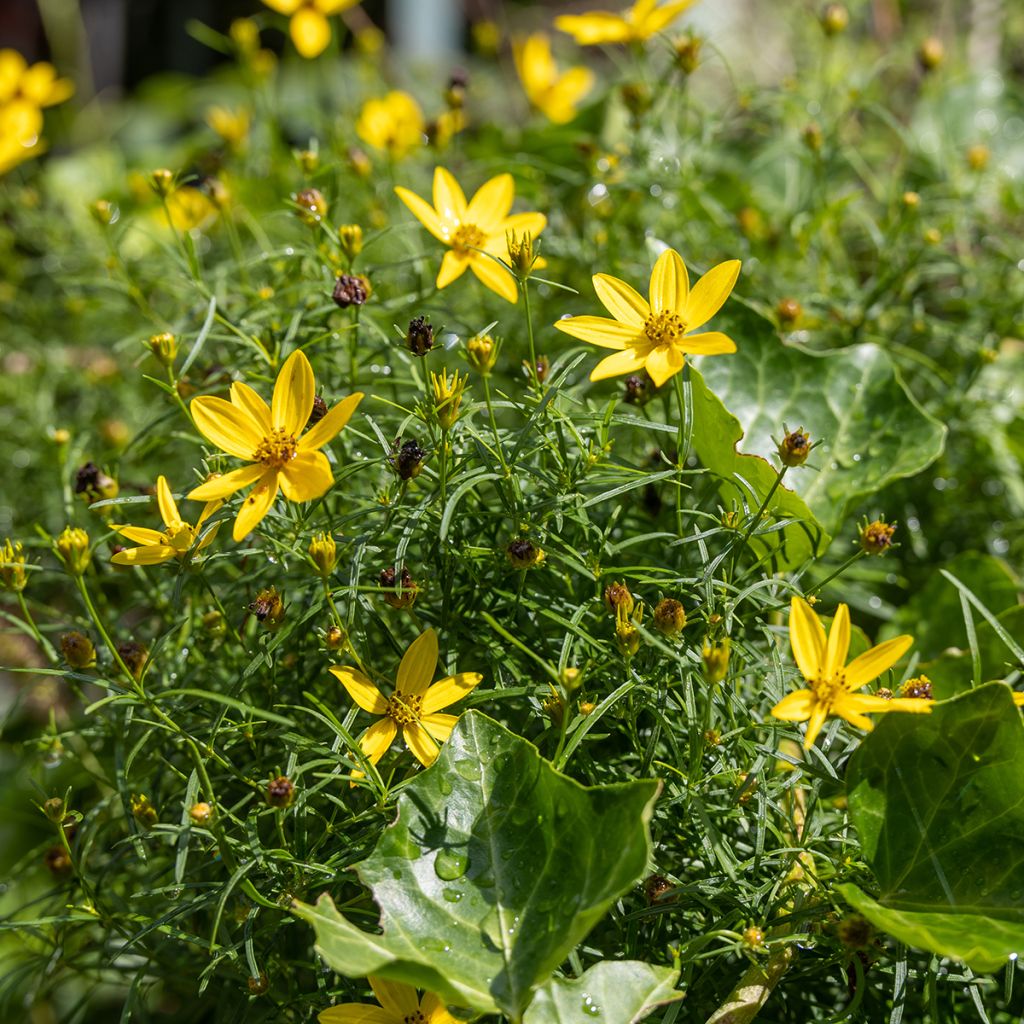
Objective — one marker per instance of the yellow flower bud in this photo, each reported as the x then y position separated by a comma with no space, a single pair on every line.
201,813
447,396
716,659
324,553
482,353
78,650
669,617
12,565
795,447
143,810
72,547
351,238
161,181
103,212
164,347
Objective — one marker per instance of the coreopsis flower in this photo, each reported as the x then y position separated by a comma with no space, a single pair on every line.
413,708
24,92
635,25
271,438
476,231
656,335
177,538
308,25
393,124
231,125
832,685
555,94
399,1004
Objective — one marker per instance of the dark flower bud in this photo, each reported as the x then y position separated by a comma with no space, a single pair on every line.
788,311
617,596
280,791
524,555
657,889
349,290
638,390
317,413
795,447
420,337
57,861
855,932
268,608
876,538
257,986
134,656
407,461
400,591
312,207
78,650
669,616
54,809
93,484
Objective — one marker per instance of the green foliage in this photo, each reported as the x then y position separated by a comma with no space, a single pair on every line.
939,806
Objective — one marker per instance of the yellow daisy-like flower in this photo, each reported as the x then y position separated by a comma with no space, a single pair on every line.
554,94
399,1004
175,541
393,124
308,25
643,20
24,92
831,684
475,229
413,707
271,438
656,335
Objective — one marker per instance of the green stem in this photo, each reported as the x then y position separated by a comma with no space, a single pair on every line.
525,285
757,516
494,424
102,630
683,437
353,347
828,579
45,644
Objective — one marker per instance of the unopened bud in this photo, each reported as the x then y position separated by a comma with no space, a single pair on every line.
311,206
103,212
164,347
350,236
134,656
524,555
324,553
350,290
812,136
162,181
788,311
12,566
143,810
93,484
78,650
407,460
616,596
687,51
72,547
482,353
201,813
280,792
637,390
54,809
875,538
419,338
627,635
268,607
834,19
715,656
931,53
669,617
400,591
335,638
978,157
795,447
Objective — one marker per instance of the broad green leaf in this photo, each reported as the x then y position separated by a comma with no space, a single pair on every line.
952,671
496,867
872,430
745,480
614,992
934,615
938,801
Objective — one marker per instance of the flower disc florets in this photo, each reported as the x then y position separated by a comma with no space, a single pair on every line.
404,708
276,449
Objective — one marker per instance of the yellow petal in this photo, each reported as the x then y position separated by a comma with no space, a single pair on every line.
151,554
418,664
42,86
376,740
225,425
424,213
356,1013
1018,698
599,330
448,690
310,32
494,275
226,485
560,102
165,502
660,18
628,361
423,746
333,6
623,301
795,707
838,644
245,398
818,715
520,224
142,535
256,505
595,28
398,999
331,425
452,268
871,664
806,637
439,726
534,64
670,284
434,1009
869,703
449,199
710,292
360,689
306,477
663,362
284,6
708,343
294,391
489,207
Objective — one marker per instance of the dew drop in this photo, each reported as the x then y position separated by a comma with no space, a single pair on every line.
451,895
588,1006
469,770
450,864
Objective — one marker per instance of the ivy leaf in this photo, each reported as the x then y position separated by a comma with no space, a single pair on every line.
938,801
623,991
852,399
496,867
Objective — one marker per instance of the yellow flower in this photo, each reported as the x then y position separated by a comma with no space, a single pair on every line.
309,28
393,124
475,229
656,335
413,707
271,438
231,125
399,1004
36,86
447,396
832,685
190,209
643,20
554,95
175,541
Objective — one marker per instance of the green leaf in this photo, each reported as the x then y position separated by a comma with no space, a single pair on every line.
938,801
852,399
747,479
622,991
934,615
495,869
952,671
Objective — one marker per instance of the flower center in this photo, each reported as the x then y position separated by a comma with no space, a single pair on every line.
275,449
404,708
826,690
180,536
416,1017
467,237
664,328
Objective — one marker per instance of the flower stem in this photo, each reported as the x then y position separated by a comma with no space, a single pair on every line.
525,285
102,630
683,438
31,623
828,579
494,424
760,512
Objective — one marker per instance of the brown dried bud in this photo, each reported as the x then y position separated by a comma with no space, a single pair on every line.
876,538
78,650
349,290
795,447
268,608
93,484
407,461
419,339
134,656
257,986
788,311
524,555
657,889
669,616
855,932
400,591
280,791
312,207
57,861
317,413
616,596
